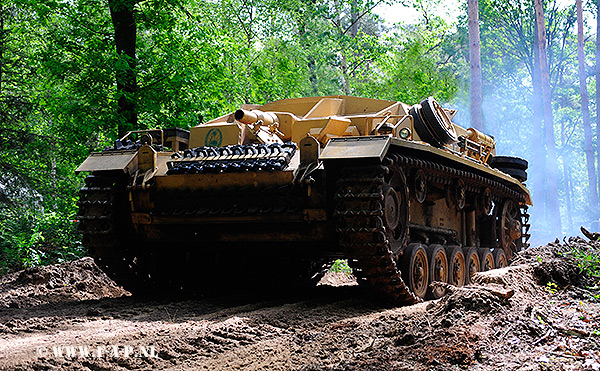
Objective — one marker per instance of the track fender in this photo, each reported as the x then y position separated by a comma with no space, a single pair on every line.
125,161
367,147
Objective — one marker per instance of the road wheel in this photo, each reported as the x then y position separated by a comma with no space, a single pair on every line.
417,269
509,162
500,260
487,259
432,124
473,262
456,266
438,270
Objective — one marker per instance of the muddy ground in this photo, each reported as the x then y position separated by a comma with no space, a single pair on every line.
72,316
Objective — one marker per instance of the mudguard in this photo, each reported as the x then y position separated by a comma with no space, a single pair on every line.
125,161
374,147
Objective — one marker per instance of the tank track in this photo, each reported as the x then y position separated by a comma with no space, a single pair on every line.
359,210
526,226
104,227
443,174
96,212
358,218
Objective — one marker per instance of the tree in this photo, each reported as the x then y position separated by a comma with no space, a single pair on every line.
598,88
552,167
121,13
475,65
585,111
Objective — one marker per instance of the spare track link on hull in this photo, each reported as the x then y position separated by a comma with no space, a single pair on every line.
358,213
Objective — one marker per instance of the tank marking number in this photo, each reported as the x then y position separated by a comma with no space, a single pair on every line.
214,138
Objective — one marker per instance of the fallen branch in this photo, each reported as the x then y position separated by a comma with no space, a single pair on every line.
503,294
570,331
565,355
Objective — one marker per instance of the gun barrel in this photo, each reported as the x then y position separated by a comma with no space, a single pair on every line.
250,117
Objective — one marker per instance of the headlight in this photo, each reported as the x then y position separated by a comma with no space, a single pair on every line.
404,133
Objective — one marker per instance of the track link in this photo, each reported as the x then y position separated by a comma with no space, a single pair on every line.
358,213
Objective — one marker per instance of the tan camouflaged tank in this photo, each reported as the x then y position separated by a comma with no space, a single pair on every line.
266,196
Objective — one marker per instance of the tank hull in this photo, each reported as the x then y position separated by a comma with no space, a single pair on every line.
403,212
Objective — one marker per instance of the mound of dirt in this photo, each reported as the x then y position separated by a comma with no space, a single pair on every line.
467,299
72,281
536,314
337,279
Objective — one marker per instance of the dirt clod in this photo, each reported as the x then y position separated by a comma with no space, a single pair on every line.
556,271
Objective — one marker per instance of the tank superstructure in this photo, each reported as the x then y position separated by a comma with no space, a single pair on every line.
277,190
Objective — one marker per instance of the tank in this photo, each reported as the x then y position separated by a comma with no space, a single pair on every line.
269,195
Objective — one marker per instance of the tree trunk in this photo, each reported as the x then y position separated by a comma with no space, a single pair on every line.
475,65
567,181
552,167
354,19
598,88
2,38
538,165
344,61
585,112
121,13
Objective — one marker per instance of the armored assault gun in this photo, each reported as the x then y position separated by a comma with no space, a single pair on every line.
276,191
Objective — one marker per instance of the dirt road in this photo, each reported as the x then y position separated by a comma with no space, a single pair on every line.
71,316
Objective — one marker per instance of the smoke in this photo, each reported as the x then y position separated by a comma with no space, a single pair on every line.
508,117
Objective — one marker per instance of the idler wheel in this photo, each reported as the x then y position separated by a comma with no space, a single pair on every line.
487,259
473,262
456,266
416,269
510,228
438,270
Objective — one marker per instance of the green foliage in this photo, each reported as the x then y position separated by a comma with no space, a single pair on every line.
416,67
29,238
58,95
551,287
588,261
341,266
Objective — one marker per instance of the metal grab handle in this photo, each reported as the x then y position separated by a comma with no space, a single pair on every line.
162,136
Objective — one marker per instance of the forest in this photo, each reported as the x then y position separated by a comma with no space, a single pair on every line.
76,74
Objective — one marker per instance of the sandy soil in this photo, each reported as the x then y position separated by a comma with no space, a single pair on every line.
50,317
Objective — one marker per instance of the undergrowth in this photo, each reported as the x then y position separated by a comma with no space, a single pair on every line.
341,266
588,261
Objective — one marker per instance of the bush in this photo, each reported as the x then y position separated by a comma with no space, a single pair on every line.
30,238
588,261
341,266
